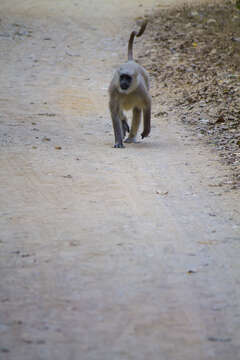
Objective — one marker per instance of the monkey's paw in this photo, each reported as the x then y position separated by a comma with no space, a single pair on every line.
131,140
119,146
145,134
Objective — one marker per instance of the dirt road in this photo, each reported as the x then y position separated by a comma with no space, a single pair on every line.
105,254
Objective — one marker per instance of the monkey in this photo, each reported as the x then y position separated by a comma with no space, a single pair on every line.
129,90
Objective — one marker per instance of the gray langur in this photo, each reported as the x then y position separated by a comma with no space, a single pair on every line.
129,89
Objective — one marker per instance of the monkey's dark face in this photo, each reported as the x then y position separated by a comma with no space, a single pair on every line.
125,81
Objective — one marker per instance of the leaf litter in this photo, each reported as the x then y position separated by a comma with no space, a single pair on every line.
193,54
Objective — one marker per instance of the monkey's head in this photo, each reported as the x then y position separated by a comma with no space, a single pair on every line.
125,81
128,79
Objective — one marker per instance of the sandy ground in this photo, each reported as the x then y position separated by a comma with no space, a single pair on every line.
106,254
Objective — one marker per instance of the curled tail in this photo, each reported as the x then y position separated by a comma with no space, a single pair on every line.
132,36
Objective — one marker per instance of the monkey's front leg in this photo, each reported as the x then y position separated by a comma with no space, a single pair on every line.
118,131
146,122
117,125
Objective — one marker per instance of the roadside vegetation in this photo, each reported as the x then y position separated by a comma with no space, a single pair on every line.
195,58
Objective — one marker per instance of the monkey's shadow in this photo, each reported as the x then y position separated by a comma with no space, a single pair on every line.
144,145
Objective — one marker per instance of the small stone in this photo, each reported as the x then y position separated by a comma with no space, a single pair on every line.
45,138
211,22
204,121
191,271
202,103
194,13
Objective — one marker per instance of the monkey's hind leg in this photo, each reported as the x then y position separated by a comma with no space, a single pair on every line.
146,122
125,125
132,137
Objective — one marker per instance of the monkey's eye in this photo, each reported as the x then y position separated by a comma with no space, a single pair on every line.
125,77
